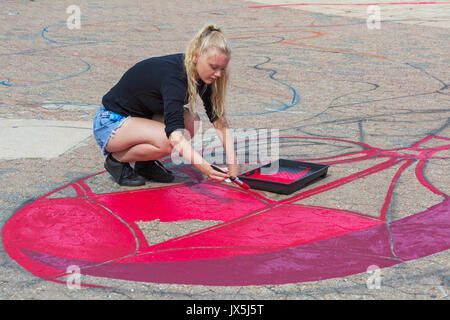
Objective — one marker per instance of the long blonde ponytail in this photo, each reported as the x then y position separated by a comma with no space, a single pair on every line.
208,37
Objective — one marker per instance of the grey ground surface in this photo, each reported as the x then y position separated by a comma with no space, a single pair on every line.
301,70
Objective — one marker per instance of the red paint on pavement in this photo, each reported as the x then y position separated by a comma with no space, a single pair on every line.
280,176
256,240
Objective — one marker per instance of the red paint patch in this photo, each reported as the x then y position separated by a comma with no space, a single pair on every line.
268,230
71,228
99,233
280,176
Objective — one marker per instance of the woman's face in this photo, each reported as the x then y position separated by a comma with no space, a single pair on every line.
210,64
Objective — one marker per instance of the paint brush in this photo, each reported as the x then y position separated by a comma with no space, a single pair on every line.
235,180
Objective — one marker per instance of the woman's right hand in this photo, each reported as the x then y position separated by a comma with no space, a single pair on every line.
182,146
214,174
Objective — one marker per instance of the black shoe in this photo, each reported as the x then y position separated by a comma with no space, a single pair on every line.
153,170
122,173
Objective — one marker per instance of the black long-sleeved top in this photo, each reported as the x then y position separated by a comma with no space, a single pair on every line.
156,86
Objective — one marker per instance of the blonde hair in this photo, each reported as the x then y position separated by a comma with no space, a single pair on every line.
208,37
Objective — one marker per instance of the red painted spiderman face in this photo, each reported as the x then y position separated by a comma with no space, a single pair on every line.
256,240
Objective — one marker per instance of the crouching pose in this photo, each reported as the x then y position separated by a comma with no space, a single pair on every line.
144,116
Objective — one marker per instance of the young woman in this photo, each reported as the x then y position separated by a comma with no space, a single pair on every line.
144,117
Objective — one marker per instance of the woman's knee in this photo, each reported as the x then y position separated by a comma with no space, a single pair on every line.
165,149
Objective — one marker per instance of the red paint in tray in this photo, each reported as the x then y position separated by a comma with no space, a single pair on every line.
284,176
280,176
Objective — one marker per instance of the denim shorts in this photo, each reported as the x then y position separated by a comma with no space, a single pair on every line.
105,125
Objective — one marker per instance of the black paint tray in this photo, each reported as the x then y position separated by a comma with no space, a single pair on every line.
284,176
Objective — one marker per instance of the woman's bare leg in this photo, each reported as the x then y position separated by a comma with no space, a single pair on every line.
140,139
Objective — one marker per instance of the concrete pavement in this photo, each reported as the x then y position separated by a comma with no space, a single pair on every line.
372,103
